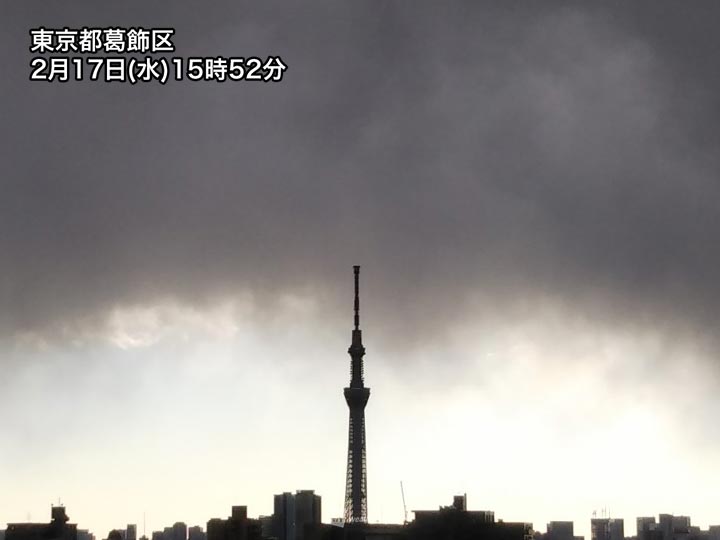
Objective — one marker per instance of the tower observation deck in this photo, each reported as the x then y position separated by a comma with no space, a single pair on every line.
356,396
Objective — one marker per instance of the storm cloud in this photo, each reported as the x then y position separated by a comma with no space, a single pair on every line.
531,189
475,159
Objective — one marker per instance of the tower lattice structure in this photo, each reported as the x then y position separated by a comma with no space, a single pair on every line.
356,396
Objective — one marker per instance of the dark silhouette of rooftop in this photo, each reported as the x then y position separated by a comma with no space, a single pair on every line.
57,529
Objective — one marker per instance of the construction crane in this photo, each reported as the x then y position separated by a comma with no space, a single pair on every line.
402,492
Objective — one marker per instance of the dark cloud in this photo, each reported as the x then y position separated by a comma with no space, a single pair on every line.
465,153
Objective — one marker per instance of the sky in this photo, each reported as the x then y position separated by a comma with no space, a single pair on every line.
532,190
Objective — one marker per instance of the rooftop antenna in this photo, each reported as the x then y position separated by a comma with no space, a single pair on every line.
144,524
402,491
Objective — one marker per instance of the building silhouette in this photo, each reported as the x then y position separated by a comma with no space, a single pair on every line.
293,514
616,529
283,517
457,523
607,529
308,511
57,529
453,522
196,533
560,530
179,531
647,529
356,396
670,527
266,526
216,529
237,527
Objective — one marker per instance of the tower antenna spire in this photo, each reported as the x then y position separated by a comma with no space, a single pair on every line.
357,297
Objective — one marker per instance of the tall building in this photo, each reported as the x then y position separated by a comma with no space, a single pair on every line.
131,532
284,516
308,511
356,396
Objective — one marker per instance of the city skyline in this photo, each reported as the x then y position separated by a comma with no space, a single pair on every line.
292,513
531,189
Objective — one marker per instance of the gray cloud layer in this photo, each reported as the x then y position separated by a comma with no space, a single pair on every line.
467,152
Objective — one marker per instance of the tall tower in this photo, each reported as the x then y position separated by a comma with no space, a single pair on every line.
356,396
